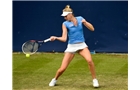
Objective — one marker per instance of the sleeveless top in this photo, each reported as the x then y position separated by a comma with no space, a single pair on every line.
75,33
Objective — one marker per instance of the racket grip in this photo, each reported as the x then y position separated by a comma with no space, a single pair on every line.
47,40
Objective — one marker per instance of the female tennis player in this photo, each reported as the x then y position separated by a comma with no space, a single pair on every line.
76,43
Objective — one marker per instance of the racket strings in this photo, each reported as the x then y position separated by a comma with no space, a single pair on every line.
30,47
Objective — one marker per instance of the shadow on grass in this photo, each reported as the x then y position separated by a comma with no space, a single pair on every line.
78,87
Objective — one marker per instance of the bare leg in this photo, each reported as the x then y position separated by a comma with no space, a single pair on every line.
86,54
66,60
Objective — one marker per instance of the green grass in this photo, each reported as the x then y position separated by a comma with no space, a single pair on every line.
35,72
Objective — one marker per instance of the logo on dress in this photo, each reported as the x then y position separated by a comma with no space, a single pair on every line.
70,25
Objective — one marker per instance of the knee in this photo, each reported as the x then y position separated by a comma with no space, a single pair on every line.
90,62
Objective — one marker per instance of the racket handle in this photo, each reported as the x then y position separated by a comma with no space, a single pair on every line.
47,40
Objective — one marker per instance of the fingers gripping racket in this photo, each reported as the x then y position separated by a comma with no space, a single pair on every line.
32,46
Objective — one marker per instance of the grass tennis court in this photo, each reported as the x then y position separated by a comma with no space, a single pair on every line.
35,72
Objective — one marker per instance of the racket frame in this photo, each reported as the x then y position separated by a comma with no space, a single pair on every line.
44,41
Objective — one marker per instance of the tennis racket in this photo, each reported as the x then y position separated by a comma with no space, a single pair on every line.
32,46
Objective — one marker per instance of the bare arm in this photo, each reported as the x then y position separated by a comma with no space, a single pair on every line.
88,25
63,38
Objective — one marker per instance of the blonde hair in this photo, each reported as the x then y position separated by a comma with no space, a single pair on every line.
67,9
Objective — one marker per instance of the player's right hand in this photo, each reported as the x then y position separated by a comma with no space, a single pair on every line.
52,38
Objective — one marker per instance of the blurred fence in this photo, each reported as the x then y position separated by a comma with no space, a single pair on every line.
41,19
